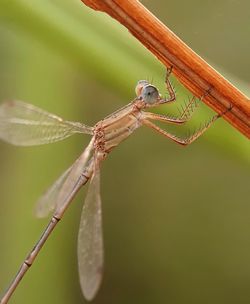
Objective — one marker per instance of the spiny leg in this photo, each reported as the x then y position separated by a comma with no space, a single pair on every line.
187,111
189,139
185,115
170,88
163,118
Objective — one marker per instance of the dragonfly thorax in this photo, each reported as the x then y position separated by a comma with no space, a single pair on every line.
110,132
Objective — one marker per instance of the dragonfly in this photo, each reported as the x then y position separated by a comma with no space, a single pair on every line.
23,124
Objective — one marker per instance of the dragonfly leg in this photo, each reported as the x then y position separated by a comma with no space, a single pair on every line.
189,139
185,113
170,88
188,109
184,116
163,118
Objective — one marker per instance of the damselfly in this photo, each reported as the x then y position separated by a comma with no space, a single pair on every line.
23,124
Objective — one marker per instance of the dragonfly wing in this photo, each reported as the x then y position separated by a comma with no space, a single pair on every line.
60,193
90,240
47,202
23,124
74,180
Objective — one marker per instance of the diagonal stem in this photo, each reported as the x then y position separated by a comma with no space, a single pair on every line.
191,70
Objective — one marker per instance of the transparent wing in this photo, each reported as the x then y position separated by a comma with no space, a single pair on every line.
23,124
74,180
47,201
62,191
90,241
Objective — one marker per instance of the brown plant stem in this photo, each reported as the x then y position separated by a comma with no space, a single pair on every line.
191,70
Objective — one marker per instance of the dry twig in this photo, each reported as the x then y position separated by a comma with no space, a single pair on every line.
191,70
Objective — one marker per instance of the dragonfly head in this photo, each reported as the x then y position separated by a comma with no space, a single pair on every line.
147,92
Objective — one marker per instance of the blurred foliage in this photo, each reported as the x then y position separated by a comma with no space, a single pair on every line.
176,221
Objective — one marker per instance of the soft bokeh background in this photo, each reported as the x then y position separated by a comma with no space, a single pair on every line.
176,221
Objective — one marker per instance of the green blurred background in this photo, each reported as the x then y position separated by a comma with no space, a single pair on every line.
176,221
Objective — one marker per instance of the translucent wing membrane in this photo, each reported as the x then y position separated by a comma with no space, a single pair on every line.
47,202
23,124
74,180
90,241
58,196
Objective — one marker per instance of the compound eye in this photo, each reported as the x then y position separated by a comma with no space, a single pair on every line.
149,94
139,86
